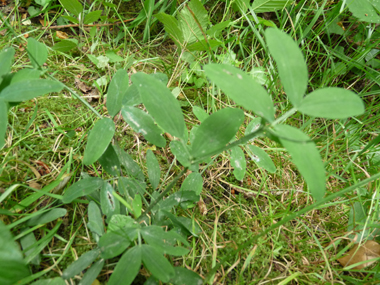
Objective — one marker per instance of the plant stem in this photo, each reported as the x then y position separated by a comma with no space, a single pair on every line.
168,188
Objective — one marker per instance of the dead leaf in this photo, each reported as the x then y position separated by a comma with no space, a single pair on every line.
62,35
34,185
44,23
82,86
202,207
366,251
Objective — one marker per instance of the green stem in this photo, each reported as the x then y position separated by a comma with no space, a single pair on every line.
287,219
284,117
168,188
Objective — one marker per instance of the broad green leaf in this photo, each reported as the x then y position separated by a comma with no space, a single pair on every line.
82,188
6,59
37,53
29,89
132,96
80,264
365,10
154,171
120,221
216,131
184,276
65,45
171,26
13,267
200,113
110,161
193,182
113,244
190,25
183,197
137,205
50,281
27,244
98,140
116,91
93,272
252,126
25,74
71,19
143,123
204,45
156,263
306,157
161,104
92,17
261,158
95,221
262,6
238,162
127,268
130,166
181,154
162,77
108,203
47,217
113,57
3,121
215,30
291,64
185,226
131,186
73,6
241,88
163,241
332,103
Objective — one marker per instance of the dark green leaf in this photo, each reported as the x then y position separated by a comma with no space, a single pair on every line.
127,268
143,123
131,186
80,264
180,152
291,64
241,88
253,126
73,6
25,74
108,203
154,171
113,244
161,104
29,89
110,161
6,59
261,158
158,265
37,53
92,17
306,157
171,27
181,197
95,221
193,182
116,91
98,140
47,217
82,188
132,96
91,274
332,103
163,241
119,222
65,45
184,276
13,267
238,162
27,243
130,166
216,131
3,121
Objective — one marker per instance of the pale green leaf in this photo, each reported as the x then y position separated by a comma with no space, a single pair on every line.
154,171
332,103
291,64
261,6
92,17
261,158
156,263
73,6
116,91
82,188
127,267
193,182
37,53
241,88
80,264
365,10
238,162
171,26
